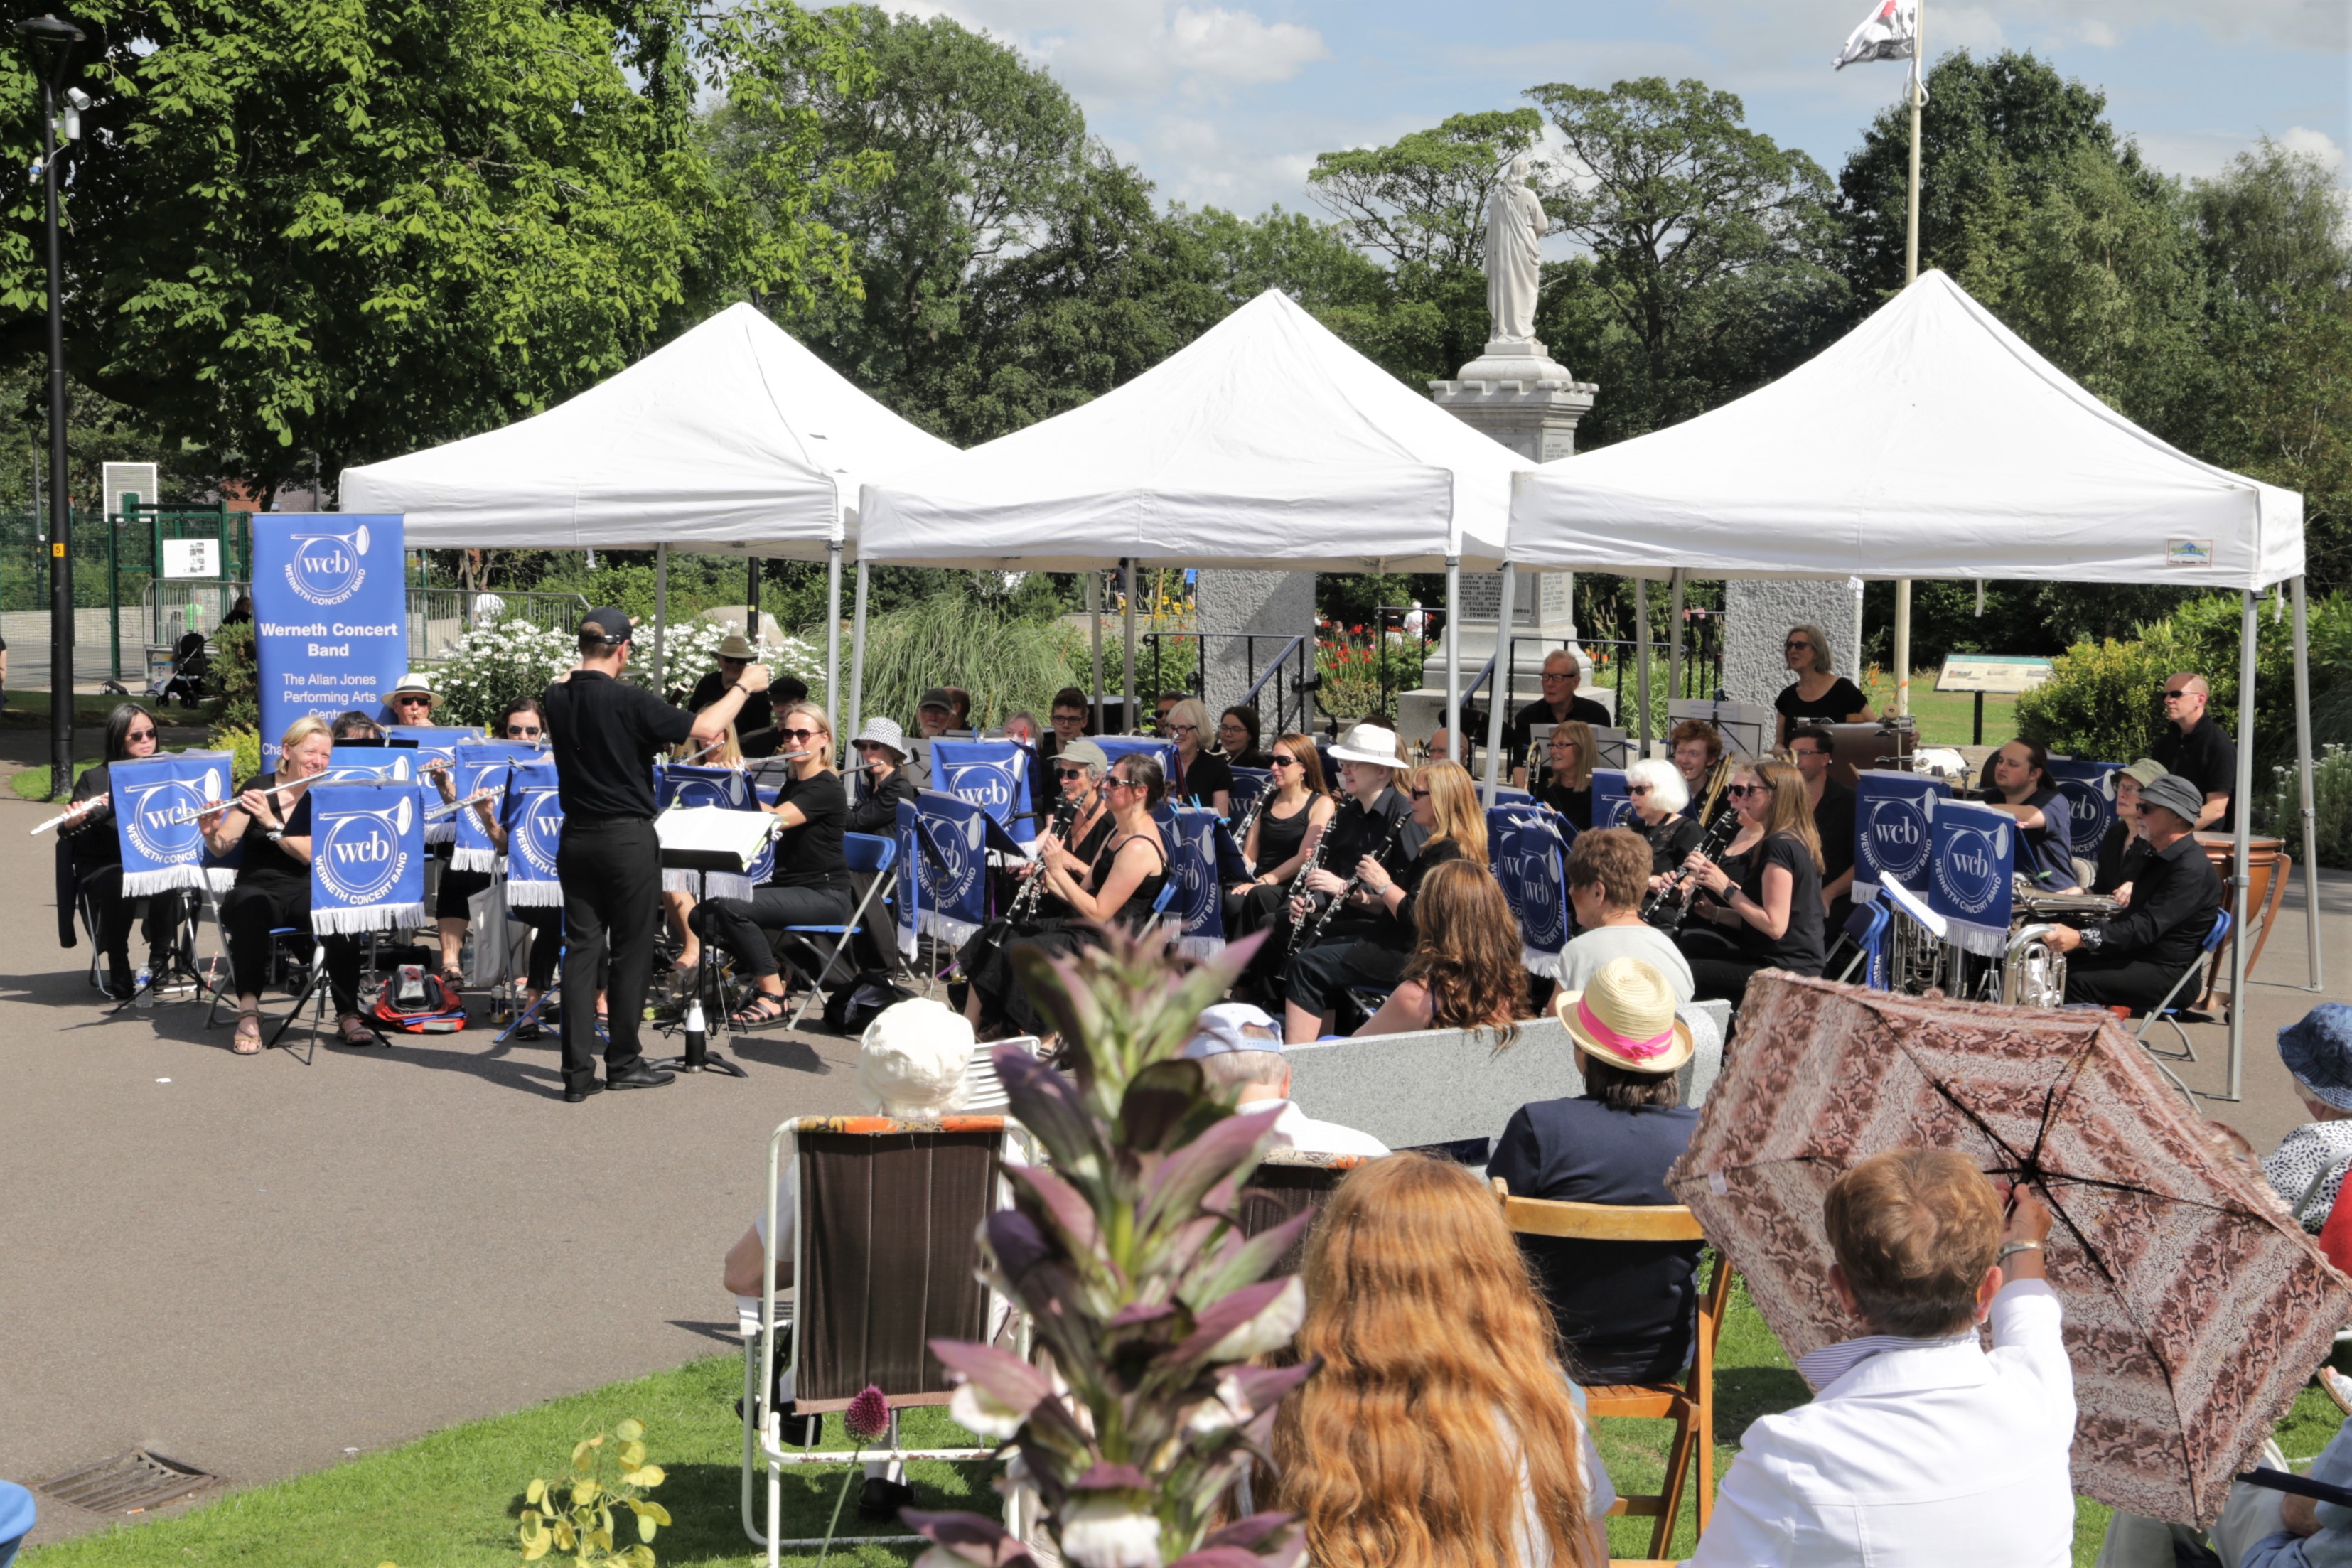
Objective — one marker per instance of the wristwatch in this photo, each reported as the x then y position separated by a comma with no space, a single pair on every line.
273,834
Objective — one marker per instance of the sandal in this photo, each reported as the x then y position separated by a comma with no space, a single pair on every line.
352,1030
762,1008
246,1042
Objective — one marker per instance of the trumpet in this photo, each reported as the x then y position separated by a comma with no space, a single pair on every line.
188,814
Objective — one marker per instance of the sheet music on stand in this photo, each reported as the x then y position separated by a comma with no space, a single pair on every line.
712,838
1749,731
1609,747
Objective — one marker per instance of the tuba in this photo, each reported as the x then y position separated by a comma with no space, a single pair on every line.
2032,973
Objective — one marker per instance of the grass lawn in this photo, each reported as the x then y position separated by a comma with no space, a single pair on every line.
1946,717
28,708
449,1501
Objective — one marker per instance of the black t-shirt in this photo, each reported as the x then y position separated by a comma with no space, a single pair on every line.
1833,820
1201,782
94,844
1516,735
267,862
1799,947
757,712
1838,705
604,734
2121,853
1576,805
809,856
2205,757
877,811
2045,853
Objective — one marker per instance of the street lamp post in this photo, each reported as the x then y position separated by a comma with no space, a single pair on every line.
62,37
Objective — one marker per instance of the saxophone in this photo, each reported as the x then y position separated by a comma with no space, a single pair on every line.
1032,891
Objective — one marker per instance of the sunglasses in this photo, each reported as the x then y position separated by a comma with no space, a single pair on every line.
1737,790
1421,794
2177,691
1069,772
412,703
1796,646
139,735
800,734
1280,761
1637,790
524,732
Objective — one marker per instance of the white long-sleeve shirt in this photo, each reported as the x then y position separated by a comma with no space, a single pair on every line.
1944,1456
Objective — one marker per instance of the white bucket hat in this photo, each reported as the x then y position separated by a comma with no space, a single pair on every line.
1371,744
911,1061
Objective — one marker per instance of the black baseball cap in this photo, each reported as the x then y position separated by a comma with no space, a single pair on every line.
609,623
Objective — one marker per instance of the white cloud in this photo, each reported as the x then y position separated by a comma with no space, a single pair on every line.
2317,143
1147,47
1235,45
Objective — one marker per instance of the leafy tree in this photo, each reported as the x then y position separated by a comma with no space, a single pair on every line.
1709,250
355,228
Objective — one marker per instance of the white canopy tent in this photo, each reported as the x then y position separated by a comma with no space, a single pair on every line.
1265,443
732,438
1933,442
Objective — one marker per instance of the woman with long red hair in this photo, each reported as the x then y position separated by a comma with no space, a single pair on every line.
1430,1436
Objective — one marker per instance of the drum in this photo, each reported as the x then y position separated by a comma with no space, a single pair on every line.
2267,868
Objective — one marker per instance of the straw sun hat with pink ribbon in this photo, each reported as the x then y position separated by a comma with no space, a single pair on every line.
1625,1018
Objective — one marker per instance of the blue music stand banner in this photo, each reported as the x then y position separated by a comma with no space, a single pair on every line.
1894,818
691,785
533,816
1248,785
1612,806
161,852
329,615
1161,752
1529,855
991,774
482,765
1971,863
433,747
909,891
367,857
370,764
950,843
1195,857
2090,789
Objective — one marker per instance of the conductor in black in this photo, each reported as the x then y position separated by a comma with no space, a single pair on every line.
604,734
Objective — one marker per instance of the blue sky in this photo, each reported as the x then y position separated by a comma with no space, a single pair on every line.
1228,103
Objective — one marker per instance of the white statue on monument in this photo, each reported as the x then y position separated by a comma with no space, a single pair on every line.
1515,226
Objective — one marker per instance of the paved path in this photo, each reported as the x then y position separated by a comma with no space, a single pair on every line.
259,1267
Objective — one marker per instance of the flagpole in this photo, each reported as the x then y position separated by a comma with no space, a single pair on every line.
1910,275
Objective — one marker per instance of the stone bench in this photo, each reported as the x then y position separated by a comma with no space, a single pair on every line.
1451,1086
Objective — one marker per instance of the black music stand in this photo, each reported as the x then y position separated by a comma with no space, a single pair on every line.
701,1057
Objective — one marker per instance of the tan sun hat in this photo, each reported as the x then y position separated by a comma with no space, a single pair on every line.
1626,1018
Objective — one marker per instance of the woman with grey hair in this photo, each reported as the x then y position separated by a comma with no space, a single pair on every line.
1661,814
1819,695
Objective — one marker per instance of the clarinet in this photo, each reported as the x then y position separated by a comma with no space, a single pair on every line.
1356,882
1249,820
1297,890
1719,833
1032,891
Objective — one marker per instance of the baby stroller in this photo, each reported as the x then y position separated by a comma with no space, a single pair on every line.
181,683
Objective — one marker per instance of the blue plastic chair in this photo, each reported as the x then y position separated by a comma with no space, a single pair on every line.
868,855
1866,929
2166,1013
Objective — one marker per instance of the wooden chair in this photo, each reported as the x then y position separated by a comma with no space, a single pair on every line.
1690,1404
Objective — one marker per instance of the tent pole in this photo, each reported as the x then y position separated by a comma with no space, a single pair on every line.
857,655
2302,778
2242,801
1453,748
832,632
1675,643
661,617
1496,696
1902,650
1094,610
1128,714
1642,665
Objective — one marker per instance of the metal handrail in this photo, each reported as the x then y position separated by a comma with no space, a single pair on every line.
1297,646
1273,669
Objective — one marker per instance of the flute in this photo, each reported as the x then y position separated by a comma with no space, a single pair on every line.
451,808
188,814
81,812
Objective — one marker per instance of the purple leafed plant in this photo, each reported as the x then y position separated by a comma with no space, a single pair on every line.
1126,1252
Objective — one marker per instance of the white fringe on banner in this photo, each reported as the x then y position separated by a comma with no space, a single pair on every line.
473,857
909,941
167,879
220,878
955,933
332,920
1985,941
707,884
441,833
1546,965
1200,946
533,895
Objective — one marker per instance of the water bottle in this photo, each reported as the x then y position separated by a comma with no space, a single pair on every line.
698,1038
146,986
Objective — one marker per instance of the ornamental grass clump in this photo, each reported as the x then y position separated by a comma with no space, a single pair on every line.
1151,1305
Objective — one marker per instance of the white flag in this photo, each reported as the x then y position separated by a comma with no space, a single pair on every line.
1886,34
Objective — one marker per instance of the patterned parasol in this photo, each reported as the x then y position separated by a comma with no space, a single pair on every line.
2195,1308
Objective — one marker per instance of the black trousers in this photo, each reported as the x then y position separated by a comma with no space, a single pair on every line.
546,924
253,909
2132,982
611,870
741,926
1317,976
455,899
115,914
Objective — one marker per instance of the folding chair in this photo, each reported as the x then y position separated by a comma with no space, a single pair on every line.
984,1091
2165,1012
1287,1181
869,854
1690,1404
1866,929
886,1257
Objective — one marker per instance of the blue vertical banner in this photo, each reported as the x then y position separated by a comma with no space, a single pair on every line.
951,838
1612,806
329,615
1893,820
908,825
1972,860
1248,785
156,802
532,815
367,858
991,774
433,749
1529,855
2090,790
483,766
1191,839
1161,752
689,784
